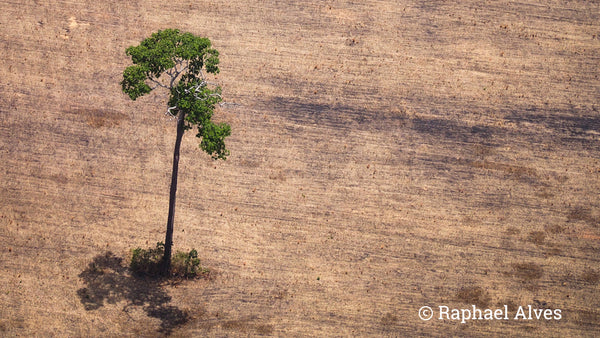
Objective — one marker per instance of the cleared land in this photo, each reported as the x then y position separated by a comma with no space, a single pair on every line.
386,155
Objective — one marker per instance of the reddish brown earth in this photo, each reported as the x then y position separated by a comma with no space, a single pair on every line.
385,156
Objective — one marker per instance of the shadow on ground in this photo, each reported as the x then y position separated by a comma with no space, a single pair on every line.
108,281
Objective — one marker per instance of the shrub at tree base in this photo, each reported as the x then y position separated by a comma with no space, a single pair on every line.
148,263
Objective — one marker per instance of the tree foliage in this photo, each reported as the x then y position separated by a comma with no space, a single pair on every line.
176,61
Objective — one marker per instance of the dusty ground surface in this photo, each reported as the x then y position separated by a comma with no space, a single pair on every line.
385,156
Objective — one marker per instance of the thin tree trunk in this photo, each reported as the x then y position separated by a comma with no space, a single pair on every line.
166,263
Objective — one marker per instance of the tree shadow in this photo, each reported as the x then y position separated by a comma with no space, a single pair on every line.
108,281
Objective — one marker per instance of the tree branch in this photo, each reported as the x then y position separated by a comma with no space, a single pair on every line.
174,72
158,84
179,62
173,78
185,67
168,112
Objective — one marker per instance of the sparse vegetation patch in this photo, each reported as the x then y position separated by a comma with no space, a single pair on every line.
147,262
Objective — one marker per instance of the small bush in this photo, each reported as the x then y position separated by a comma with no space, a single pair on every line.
186,265
147,262
183,265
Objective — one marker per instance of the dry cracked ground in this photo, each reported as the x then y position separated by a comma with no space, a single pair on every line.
385,156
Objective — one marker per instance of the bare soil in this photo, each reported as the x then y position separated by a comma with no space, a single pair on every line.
386,155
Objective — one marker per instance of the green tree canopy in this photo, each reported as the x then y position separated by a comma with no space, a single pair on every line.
176,61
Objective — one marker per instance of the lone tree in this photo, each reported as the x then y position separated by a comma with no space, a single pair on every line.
176,62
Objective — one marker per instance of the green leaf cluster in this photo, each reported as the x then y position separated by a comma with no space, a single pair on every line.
134,82
197,102
147,262
187,265
161,53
